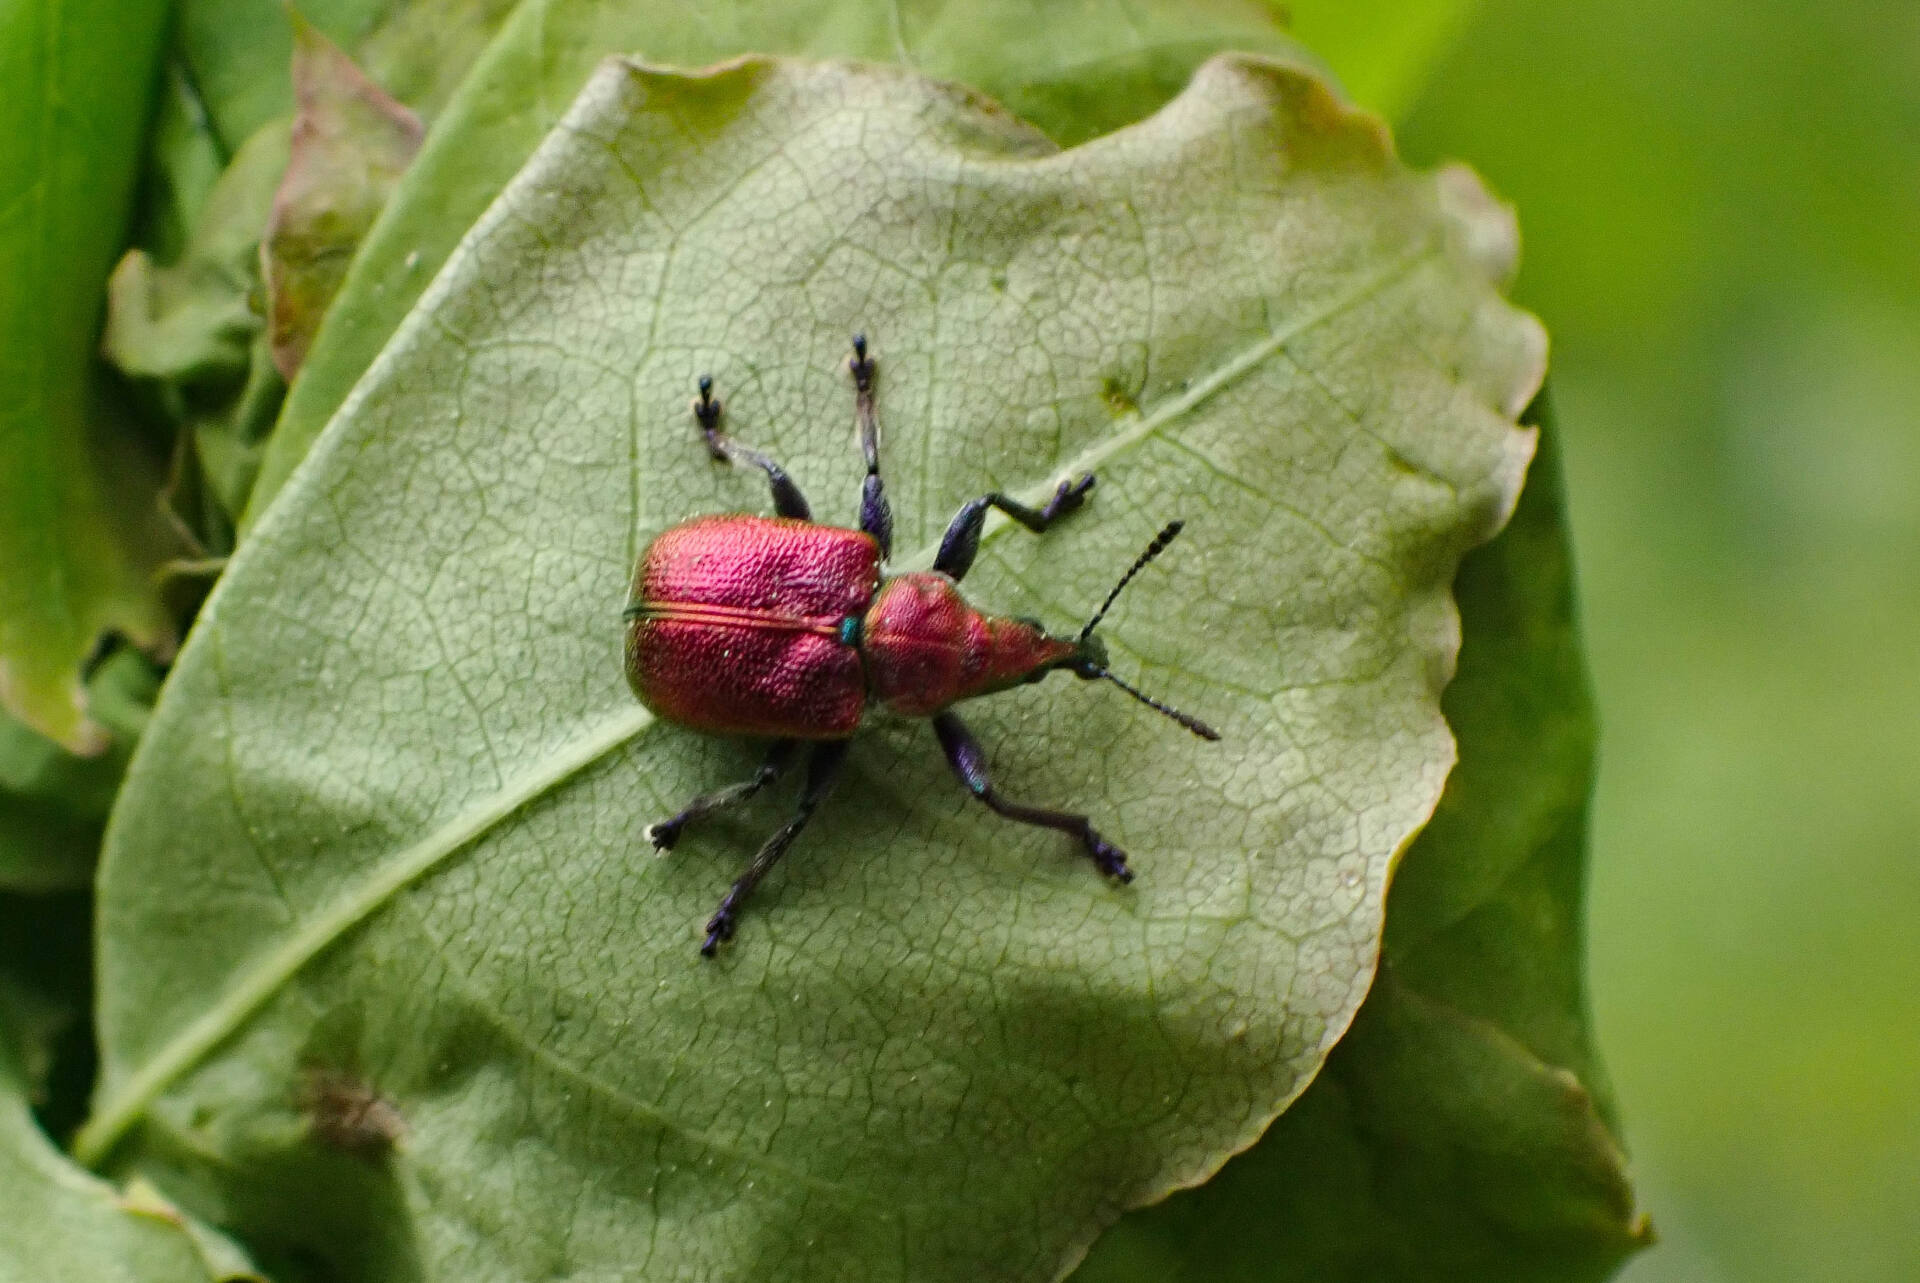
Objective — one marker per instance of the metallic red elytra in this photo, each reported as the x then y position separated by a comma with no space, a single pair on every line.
783,629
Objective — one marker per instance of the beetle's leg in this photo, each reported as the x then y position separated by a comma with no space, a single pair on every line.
962,539
876,515
821,768
664,834
969,762
787,499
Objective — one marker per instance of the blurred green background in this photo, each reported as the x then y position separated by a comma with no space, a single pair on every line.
1721,204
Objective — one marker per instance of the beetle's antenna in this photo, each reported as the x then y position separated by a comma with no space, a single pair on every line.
1187,720
1091,662
1154,549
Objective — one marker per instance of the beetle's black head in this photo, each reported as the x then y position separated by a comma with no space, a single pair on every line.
1089,659
1089,652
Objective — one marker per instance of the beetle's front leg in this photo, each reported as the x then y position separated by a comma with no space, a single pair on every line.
821,768
962,540
876,515
664,834
969,762
787,499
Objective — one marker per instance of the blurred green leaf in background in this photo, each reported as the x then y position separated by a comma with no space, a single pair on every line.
1722,219
53,804
79,536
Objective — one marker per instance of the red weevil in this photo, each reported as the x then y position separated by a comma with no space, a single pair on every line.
778,628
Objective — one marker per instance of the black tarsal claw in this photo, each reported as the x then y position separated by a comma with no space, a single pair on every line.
1067,496
719,931
1111,860
706,412
663,835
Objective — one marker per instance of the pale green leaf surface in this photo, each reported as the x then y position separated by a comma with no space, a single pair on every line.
76,76
1075,70
1461,1129
941,1047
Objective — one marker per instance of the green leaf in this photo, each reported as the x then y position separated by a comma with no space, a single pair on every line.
396,783
1076,71
184,161
1383,50
53,805
63,1223
237,54
194,328
1487,915
1461,1129
77,561
351,142
193,331
1432,1146
192,323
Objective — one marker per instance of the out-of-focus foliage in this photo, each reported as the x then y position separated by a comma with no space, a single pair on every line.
1383,50
53,805
351,142
193,334
1721,218
201,319
76,542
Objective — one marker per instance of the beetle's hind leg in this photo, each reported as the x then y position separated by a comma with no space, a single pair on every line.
876,515
962,540
664,834
821,768
969,762
787,499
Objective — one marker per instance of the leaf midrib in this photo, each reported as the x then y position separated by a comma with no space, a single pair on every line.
225,1017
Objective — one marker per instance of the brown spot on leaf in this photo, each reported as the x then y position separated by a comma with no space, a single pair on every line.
345,1112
